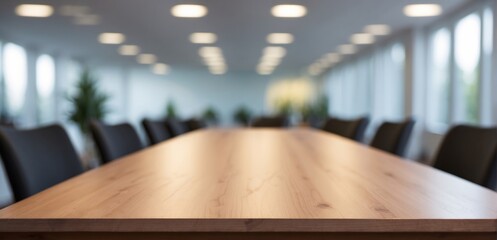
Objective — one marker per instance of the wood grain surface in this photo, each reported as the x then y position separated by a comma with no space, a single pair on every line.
258,180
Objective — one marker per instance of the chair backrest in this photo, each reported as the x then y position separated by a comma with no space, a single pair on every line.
115,141
193,124
37,159
176,127
270,122
468,152
157,131
393,137
352,129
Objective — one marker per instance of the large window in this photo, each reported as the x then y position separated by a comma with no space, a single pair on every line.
45,82
467,59
2,92
392,82
459,62
439,87
372,85
15,74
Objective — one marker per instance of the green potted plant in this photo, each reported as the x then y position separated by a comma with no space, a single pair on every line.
171,112
210,116
319,111
87,103
284,108
242,116
306,111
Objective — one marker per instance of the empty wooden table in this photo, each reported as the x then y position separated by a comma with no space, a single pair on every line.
257,184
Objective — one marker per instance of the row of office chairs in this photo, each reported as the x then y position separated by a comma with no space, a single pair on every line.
272,122
160,130
39,158
466,151
391,137
115,141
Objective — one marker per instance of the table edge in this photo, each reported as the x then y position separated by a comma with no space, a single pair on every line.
248,225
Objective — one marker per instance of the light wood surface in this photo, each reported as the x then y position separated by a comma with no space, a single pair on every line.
258,180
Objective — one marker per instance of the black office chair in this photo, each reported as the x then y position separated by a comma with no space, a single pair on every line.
270,122
193,124
470,153
393,137
115,141
37,159
352,129
176,127
157,131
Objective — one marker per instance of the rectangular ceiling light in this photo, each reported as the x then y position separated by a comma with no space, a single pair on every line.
378,29
189,11
160,69
218,70
280,38
203,38
422,10
333,58
347,49
129,50
207,52
146,58
34,10
362,38
289,11
274,52
111,38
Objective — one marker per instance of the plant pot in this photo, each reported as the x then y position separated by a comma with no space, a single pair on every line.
89,155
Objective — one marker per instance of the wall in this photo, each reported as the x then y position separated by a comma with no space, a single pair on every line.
193,91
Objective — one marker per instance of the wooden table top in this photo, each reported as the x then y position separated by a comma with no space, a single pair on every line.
258,180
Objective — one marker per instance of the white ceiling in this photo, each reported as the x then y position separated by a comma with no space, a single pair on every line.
241,26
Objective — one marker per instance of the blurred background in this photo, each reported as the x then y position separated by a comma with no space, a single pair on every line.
228,61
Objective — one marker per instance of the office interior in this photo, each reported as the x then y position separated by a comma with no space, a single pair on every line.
238,60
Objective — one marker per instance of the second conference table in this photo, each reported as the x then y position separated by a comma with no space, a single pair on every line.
257,184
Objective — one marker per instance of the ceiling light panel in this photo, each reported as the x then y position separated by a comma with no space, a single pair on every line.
129,50
270,61
422,10
378,29
34,10
314,71
289,11
146,59
362,38
333,57
111,38
210,52
280,38
160,69
218,70
189,11
347,49
203,38
277,52
271,58
214,59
